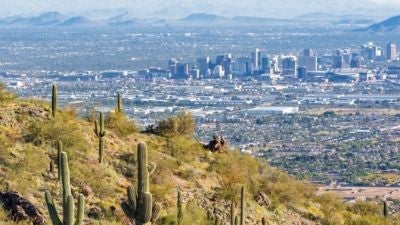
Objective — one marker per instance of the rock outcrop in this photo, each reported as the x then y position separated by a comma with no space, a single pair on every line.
20,208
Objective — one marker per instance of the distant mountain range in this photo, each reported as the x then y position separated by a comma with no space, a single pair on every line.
45,20
390,25
124,18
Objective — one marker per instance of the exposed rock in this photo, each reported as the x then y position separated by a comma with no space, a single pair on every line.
95,213
20,208
218,144
87,190
262,199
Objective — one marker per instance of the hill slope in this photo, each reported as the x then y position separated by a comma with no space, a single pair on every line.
390,25
209,181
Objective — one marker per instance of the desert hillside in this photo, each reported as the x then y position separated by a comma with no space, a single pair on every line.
209,182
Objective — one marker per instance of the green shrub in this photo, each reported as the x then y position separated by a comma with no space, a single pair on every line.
5,96
119,123
181,124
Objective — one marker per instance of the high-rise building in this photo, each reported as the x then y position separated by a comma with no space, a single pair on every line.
182,71
301,72
308,52
357,62
204,66
172,65
265,65
289,66
255,59
309,62
391,51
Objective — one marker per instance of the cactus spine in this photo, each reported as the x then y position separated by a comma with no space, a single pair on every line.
67,200
100,133
140,207
180,211
54,100
242,207
119,103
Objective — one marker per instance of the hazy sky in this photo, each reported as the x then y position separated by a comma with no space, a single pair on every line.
178,8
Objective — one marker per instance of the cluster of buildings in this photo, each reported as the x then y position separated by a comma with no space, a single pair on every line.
343,65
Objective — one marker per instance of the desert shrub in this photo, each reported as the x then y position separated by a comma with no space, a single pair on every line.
235,170
65,127
364,208
181,124
5,95
119,123
284,189
194,214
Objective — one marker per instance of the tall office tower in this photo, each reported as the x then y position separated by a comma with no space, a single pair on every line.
289,66
309,52
391,51
309,62
371,51
249,68
195,73
301,72
255,60
172,65
265,65
338,62
259,58
228,64
204,66
182,71
357,62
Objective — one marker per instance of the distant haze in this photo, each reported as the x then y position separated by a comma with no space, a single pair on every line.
97,9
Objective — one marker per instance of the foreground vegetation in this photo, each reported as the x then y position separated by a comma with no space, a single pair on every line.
209,183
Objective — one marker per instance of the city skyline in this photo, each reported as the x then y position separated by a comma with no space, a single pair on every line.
179,8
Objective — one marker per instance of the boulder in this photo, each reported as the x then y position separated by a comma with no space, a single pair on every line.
20,208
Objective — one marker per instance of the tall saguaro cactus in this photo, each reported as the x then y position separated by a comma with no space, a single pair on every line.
119,103
242,206
100,133
67,200
385,209
54,100
140,207
235,220
179,206
59,151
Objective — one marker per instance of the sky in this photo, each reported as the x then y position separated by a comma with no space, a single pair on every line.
180,8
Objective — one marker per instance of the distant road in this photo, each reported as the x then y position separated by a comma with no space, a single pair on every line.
349,193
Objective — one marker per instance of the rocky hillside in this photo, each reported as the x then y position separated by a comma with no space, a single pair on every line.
209,182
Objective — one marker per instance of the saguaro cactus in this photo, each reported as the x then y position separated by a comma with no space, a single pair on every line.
140,207
54,100
67,200
59,151
100,133
233,214
119,103
385,209
242,206
179,206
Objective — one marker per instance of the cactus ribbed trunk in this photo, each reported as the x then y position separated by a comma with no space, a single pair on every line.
119,103
100,133
232,213
140,207
180,210
242,207
385,209
54,100
67,199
